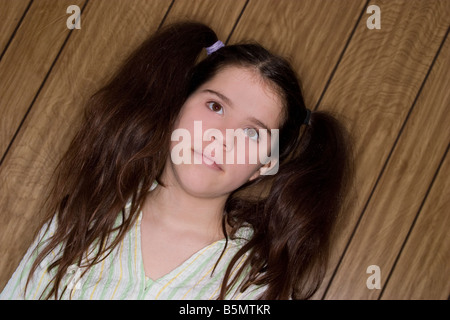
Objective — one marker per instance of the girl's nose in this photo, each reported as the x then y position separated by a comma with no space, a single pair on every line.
219,137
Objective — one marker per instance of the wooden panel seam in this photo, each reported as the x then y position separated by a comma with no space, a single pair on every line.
163,20
316,107
430,187
238,19
13,34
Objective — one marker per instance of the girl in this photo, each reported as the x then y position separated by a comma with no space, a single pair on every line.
133,223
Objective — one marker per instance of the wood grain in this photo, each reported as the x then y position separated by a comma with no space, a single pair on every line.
400,56
10,15
219,15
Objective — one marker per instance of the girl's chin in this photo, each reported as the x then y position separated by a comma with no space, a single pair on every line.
208,186
198,178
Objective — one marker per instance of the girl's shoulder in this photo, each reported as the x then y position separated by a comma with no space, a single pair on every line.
243,234
15,288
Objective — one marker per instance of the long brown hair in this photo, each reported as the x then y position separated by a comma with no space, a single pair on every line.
123,143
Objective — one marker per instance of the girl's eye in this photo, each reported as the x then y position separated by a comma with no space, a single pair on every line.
251,133
215,107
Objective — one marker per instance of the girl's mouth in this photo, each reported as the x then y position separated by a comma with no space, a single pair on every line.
207,161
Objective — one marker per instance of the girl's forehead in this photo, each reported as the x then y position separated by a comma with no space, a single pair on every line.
247,92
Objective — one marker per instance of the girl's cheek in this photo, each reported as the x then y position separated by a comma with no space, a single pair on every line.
252,153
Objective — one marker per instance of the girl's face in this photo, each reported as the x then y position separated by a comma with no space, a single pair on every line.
217,131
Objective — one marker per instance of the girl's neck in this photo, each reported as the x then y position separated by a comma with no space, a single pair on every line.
172,206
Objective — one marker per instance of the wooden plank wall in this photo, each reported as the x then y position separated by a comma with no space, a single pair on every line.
390,87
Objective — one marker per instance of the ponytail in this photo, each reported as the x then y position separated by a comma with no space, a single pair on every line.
304,204
294,222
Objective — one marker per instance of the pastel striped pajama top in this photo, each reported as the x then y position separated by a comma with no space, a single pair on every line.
121,275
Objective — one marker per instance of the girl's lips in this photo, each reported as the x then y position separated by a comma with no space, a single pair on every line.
207,161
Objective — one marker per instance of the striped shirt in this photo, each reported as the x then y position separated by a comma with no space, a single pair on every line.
121,275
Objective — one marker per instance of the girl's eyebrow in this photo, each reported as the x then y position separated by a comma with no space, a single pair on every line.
221,96
230,103
260,124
